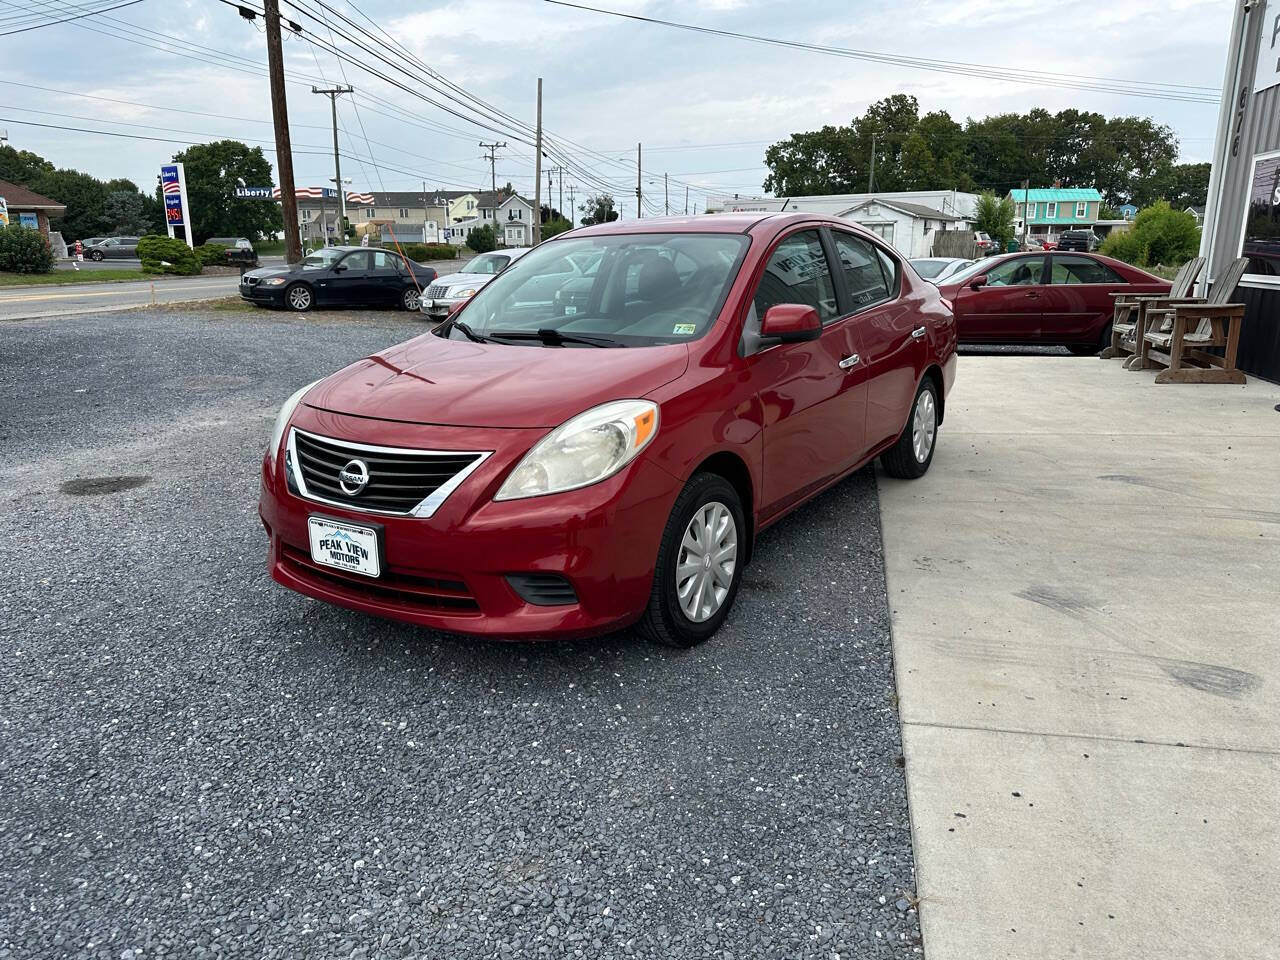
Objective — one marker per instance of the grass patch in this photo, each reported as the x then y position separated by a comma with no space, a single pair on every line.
269,248
68,276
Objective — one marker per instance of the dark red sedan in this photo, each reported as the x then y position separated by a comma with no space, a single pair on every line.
1057,299
598,437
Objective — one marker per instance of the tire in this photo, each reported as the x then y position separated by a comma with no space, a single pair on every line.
910,457
1085,350
411,299
299,298
96,256
706,497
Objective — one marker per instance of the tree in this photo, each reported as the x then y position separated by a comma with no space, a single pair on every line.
213,172
994,216
1182,184
1159,235
85,198
125,213
482,239
554,226
598,208
21,166
551,213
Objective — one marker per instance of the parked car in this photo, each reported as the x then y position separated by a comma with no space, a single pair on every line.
113,248
84,244
240,250
536,468
455,288
1056,298
333,276
986,246
937,269
1083,240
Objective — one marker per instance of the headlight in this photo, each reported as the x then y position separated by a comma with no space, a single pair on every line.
585,450
273,281
282,418
469,292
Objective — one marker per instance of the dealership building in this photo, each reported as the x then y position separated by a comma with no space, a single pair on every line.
1242,216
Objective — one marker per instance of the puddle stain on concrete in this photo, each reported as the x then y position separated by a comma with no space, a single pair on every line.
1214,679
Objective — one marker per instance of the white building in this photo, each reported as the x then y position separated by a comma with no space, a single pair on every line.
908,227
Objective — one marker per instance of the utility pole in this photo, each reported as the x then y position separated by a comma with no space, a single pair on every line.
871,180
666,197
639,194
556,171
332,93
573,214
537,175
284,150
1026,211
491,156
686,200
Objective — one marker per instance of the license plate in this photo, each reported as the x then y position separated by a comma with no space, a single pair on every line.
345,546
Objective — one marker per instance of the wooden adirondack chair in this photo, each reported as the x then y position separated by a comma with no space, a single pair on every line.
1128,322
1193,327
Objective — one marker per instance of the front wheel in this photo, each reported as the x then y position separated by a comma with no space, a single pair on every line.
911,455
300,298
699,564
411,299
96,256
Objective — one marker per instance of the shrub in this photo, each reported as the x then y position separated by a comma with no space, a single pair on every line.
554,226
441,251
1125,245
212,254
414,251
23,250
482,239
167,255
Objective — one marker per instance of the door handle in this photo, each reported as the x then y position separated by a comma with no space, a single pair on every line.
1033,295
918,332
848,361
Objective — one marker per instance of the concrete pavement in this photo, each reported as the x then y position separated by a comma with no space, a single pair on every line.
1084,615
62,299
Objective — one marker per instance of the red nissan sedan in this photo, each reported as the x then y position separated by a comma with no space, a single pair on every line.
1049,299
598,437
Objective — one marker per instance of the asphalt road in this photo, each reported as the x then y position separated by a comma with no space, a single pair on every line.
60,300
135,264
196,763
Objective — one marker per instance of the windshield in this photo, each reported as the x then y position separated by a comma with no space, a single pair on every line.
321,258
928,268
487,263
626,289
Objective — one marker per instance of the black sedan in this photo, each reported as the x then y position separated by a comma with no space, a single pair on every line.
340,276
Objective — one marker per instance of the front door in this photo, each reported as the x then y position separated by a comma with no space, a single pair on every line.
814,397
348,279
891,334
1006,309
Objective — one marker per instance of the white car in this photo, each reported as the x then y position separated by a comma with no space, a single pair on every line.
447,292
938,269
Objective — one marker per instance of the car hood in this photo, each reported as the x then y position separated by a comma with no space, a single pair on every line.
469,279
265,272
431,380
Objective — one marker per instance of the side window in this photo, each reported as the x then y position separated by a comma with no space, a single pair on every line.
864,274
1068,269
385,261
1018,272
797,272
357,261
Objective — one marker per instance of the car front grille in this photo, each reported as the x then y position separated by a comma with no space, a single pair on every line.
436,292
400,481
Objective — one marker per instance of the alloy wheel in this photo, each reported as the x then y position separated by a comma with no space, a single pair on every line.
924,426
706,561
300,298
412,300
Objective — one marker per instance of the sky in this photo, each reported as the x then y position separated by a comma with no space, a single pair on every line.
704,107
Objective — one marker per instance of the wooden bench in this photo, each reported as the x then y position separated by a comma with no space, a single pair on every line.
1178,335
1128,323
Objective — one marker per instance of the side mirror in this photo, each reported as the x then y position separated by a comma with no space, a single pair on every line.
791,323
978,282
339,267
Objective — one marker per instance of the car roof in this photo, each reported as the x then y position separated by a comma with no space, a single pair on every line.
738,222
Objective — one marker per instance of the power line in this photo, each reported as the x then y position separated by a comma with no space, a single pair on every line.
79,16
1160,91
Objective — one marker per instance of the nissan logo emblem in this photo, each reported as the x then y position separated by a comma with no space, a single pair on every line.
354,477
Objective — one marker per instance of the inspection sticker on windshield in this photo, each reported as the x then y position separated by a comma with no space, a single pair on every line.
344,546
684,329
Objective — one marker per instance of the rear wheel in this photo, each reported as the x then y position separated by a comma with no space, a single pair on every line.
911,455
699,564
300,298
411,299
1085,350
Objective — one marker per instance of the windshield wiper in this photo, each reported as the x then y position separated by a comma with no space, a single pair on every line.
554,338
467,331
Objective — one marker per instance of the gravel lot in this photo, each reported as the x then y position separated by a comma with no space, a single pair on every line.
197,763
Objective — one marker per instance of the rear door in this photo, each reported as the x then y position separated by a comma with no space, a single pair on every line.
386,278
1006,309
813,393
890,338
1077,301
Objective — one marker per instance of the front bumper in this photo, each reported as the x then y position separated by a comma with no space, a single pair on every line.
272,296
438,308
449,572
